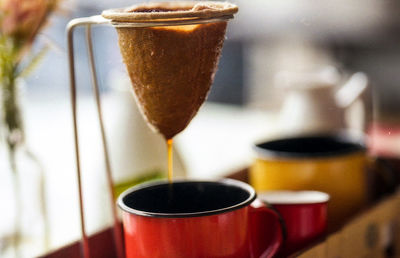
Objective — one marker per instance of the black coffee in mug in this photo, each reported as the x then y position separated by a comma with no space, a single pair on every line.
181,198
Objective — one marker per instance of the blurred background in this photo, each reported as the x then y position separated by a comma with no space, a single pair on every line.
245,104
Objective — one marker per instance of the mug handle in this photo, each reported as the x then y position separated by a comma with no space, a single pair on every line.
266,231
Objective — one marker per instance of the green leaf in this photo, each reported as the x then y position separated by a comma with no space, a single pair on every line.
33,63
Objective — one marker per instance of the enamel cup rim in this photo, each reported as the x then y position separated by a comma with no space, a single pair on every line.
268,149
227,182
295,197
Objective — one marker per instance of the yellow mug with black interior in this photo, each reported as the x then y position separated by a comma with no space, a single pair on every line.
334,164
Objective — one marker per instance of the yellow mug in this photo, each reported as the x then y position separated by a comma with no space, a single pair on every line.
329,163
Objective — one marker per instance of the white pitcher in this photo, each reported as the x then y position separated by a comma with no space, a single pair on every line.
317,103
136,152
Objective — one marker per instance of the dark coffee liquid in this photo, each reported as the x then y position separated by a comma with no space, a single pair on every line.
313,146
186,197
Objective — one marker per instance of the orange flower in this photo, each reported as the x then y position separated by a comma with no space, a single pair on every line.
22,19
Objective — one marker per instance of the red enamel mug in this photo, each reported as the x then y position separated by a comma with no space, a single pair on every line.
198,219
304,214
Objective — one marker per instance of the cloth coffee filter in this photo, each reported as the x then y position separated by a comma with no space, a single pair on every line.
171,67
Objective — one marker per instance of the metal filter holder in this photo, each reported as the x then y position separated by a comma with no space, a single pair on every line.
88,22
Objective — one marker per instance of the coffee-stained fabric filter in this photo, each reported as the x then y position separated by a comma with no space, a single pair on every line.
171,67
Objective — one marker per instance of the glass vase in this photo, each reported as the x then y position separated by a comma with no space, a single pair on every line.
23,223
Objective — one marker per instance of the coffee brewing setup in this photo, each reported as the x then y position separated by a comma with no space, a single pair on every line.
189,70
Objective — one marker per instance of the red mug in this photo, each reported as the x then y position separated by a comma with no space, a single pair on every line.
198,219
304,215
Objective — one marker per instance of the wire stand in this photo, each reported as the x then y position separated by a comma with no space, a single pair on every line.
87,22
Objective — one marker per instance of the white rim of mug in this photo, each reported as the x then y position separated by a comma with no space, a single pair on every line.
226,181
318,197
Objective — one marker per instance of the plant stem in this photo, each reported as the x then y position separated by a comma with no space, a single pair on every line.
11,120
12,129
18,208
42,189
12,117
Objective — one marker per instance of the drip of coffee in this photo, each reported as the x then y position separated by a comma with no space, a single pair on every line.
170,159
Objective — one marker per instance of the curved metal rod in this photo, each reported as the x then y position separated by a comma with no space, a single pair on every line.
172,22
71,61
92,20
117,227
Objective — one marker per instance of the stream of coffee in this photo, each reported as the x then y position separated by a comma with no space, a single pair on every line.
170,164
